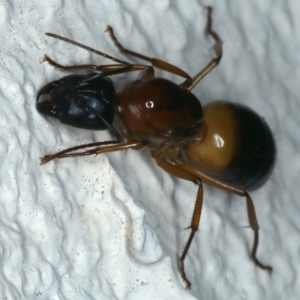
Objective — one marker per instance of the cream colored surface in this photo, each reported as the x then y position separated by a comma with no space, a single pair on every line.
112,227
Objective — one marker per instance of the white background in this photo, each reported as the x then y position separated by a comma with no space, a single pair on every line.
112,227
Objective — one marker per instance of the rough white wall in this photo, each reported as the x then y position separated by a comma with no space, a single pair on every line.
111,227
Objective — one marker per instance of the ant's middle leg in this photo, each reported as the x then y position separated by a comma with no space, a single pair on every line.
177,171
163,65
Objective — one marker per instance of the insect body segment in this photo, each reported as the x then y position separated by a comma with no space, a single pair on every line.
239,147
70,98
224,144
159,108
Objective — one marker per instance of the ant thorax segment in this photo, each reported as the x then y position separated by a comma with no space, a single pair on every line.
159,111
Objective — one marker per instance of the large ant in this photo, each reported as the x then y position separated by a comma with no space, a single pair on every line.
224,144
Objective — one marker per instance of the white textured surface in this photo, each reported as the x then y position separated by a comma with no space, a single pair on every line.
80,229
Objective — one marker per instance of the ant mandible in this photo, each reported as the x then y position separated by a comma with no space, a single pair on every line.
224,144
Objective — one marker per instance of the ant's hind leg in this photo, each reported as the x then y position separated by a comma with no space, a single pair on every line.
250,207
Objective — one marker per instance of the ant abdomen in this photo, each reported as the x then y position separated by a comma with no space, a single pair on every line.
238,147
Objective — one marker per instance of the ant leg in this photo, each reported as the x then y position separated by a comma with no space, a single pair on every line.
217,48
106,70
59,37
177,171
97,148
163,65
240,192
188,83
122,66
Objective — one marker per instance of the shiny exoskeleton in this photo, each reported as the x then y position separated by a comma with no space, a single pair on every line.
79,104
223,144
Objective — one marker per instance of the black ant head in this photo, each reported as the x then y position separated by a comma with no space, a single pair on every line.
79,100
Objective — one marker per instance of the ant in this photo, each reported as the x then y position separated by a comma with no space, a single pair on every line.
224,144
